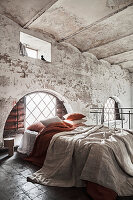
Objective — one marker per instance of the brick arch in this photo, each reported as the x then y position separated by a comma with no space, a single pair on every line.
15,119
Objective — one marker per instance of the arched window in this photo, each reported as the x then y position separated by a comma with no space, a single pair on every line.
32,108
111,110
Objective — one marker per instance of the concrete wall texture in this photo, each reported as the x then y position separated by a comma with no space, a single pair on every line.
80,79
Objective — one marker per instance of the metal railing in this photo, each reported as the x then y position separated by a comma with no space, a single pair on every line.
125,116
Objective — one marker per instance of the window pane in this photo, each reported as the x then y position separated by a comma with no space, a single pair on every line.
109,110
42,47
31,53
39,106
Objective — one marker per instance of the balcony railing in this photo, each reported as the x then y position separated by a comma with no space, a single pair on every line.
122,117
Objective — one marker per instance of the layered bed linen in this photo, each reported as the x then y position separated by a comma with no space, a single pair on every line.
92,154
27,142
38,154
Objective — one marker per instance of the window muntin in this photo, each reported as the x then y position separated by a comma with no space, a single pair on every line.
39,106
111,111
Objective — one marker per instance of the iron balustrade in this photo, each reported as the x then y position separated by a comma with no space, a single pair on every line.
124,113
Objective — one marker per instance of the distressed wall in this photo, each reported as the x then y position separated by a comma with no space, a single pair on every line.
78,78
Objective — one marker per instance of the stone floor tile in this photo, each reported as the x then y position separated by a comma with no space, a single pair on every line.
26,172
14,186
27,186
4,196
42,187
18,179
34,192
38,198
20,196
10,191
44,196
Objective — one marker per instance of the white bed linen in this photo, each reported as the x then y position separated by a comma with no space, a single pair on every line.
27,142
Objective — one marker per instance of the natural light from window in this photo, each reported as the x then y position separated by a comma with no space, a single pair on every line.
109,110
32,44
39,106
31,52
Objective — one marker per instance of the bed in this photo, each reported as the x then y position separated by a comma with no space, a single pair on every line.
95,157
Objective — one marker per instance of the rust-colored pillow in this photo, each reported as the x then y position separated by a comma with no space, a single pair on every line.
38,126
74,116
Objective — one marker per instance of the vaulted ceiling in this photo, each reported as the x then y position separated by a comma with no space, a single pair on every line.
88,25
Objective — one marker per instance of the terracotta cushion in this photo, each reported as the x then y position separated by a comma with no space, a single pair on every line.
38,126
74,116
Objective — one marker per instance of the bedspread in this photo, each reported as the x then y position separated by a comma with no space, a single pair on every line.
39,151
94,154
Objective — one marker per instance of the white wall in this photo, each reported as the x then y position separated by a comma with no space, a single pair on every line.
81,80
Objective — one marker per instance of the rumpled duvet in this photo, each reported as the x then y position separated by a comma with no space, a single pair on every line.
42,141
95,153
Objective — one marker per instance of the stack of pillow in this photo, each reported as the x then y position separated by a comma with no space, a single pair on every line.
39,126
72,118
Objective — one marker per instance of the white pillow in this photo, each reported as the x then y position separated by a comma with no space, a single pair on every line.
74,116
68,121
74,122
79,121
48,121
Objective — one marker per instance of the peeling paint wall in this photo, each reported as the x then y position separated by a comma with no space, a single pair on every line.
78,78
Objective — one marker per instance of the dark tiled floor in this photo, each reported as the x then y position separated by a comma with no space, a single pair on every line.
14,185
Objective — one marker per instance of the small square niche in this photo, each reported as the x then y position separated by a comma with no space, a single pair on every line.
34,47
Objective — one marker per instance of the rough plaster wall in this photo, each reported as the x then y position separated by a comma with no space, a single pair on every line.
81,80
